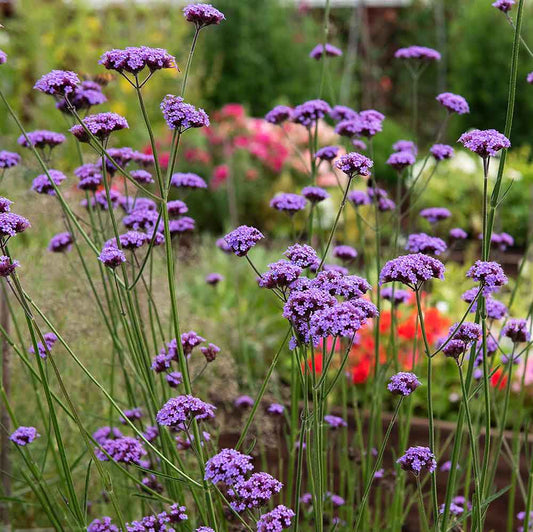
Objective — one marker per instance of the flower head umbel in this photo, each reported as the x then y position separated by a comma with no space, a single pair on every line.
341,112
345,253
104,524
42,184
85,96
400,160
417,459
302,255
187,180
202,15
458,234
461,338
135,58
359,197
61,242
454,103
8,159
504,5
327,153
243,239
335,422
435,214
279,114
308,113
125,450
228,466
517,330
422,243
489,273
405,145
24,435
441,152
486,143
100,125
213,278
288,202
254,492
182,409
420,53
328,49
354,163
12,224
277,520
112,257
412,270
7,266
182,116
314,194
3,57
41,138
403,383
43,349
280,274
58,83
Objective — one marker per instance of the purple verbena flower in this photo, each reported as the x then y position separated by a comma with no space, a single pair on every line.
85,96
243,401
142,176
516,330
354,163
396,296
341,112
11,224
416,459
335,422
280,274
421,53
213,278
228,466
243,239
504,5
441,151
458,234
182,409
45,347
486,143
41,138
302,255
490,274
412,270
210,352
42,184
125,450
275,409
7,266
58,83
435,214
103,524
133,414
9,159
277,520
182,116
314,194
328,49
422,243
345,253
89,176
187,180
61,242
308,113
327,153
253,492
288,203
174,379
106,433
454,103
403,383
359,197
133,59
279,114
24,435
400,160
100,125
202,15
405,145
112,257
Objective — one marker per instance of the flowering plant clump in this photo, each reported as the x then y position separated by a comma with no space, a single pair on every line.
323,321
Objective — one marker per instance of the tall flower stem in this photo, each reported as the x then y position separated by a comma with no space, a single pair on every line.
377,464
429,401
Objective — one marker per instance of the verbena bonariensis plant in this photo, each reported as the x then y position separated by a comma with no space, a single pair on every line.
326,308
